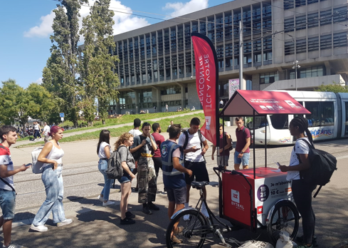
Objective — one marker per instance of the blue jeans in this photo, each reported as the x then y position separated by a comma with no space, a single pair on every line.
7,203
53,181
102,166
244,160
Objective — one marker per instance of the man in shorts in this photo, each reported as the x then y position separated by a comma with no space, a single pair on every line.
195,146
242,152
8,137
225,146
174,175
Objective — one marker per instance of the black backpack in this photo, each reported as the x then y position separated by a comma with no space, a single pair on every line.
225,138
323,165
115,170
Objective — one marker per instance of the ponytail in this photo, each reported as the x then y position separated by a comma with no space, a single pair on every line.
302,125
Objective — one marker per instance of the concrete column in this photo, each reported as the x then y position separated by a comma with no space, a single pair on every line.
137,109
156,98
183,94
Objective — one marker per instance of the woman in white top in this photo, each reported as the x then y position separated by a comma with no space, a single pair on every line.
302,192
103,151
51,155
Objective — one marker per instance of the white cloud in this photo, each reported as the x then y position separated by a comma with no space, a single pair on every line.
180,8
123,22
39,81
44,29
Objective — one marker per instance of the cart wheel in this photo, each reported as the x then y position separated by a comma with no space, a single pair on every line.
285,217
191,229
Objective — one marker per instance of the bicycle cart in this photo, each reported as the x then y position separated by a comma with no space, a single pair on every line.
257,198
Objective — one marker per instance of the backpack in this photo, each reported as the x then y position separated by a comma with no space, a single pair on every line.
187,138
37,165
323,165
225,137
115,170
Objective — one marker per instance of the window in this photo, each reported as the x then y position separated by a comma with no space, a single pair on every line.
194,27
160,43
313,44
246,22
289,48
340,40
202,26
312,1
288,4
257,19
167,68
143,72
312,20
280,121
289,24
180,38
145,96
299,3
340,14
187,36
188,64
171,90
322,114
267,17
301,22
173,39
325,42
148,46
267,49
161,69
236,19
142,47
268,78
325,17
228,26
257,51
166,41
136,49
315,71
301,46
219,28
174,67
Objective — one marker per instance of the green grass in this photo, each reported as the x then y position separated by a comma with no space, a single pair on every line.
122,120
116,132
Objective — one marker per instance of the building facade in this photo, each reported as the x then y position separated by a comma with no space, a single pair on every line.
157,64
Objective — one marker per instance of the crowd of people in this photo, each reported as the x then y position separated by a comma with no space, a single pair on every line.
142,154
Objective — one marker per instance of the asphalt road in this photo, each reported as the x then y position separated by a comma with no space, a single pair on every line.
95,226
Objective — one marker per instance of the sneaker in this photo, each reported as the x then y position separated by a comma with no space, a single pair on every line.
101,198
146,209
40,228
153,206
108,203
314,241
127,221
130,215
12,246
65,222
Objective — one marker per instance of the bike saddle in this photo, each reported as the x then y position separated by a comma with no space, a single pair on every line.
199,185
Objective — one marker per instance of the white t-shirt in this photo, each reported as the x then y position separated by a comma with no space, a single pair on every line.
5,159
135,132
301,147
37,127
101,153
193,141
46,130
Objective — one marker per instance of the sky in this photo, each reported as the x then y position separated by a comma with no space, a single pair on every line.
25,28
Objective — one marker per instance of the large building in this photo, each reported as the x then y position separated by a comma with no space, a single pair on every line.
157,65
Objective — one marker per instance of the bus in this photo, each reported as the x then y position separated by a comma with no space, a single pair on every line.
328,119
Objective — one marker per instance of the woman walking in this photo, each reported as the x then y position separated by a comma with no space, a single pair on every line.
302,192
128,164
51,155
103,151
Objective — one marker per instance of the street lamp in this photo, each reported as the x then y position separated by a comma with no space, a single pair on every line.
296,65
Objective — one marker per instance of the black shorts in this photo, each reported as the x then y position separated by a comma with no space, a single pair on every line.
199,172
177,195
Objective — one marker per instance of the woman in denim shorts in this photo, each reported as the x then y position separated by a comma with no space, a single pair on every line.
127,161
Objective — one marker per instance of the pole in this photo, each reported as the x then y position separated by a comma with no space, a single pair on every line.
296,76
254,158
241,63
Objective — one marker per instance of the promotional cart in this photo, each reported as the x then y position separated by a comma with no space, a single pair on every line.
258,197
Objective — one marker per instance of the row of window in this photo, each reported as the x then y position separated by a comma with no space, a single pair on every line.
290,4
315,43
313,19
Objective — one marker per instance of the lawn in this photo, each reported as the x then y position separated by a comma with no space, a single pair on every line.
115,132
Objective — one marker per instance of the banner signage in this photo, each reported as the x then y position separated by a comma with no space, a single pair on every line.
206,83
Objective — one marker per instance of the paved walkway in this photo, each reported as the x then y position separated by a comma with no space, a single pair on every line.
24,142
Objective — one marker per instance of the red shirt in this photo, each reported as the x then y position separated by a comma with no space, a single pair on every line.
158,139
241,139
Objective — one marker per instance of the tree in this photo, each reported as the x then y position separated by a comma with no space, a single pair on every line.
61,72
335,87
97,63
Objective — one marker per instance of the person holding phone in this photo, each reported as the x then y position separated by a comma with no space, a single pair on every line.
51,155
8,136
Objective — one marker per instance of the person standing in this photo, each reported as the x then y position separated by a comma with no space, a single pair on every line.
142,150
127,162
36,130
174,175
103,151
242,152
167,107
302,192
51,155
225,143
156,128
8,137
46,131
194,147
135,131
221,103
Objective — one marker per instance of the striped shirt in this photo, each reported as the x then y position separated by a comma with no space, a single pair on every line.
5,159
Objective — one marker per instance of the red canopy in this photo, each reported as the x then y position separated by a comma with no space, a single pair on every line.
244,102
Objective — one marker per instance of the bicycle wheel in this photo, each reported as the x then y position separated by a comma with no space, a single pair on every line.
191,229
285,217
